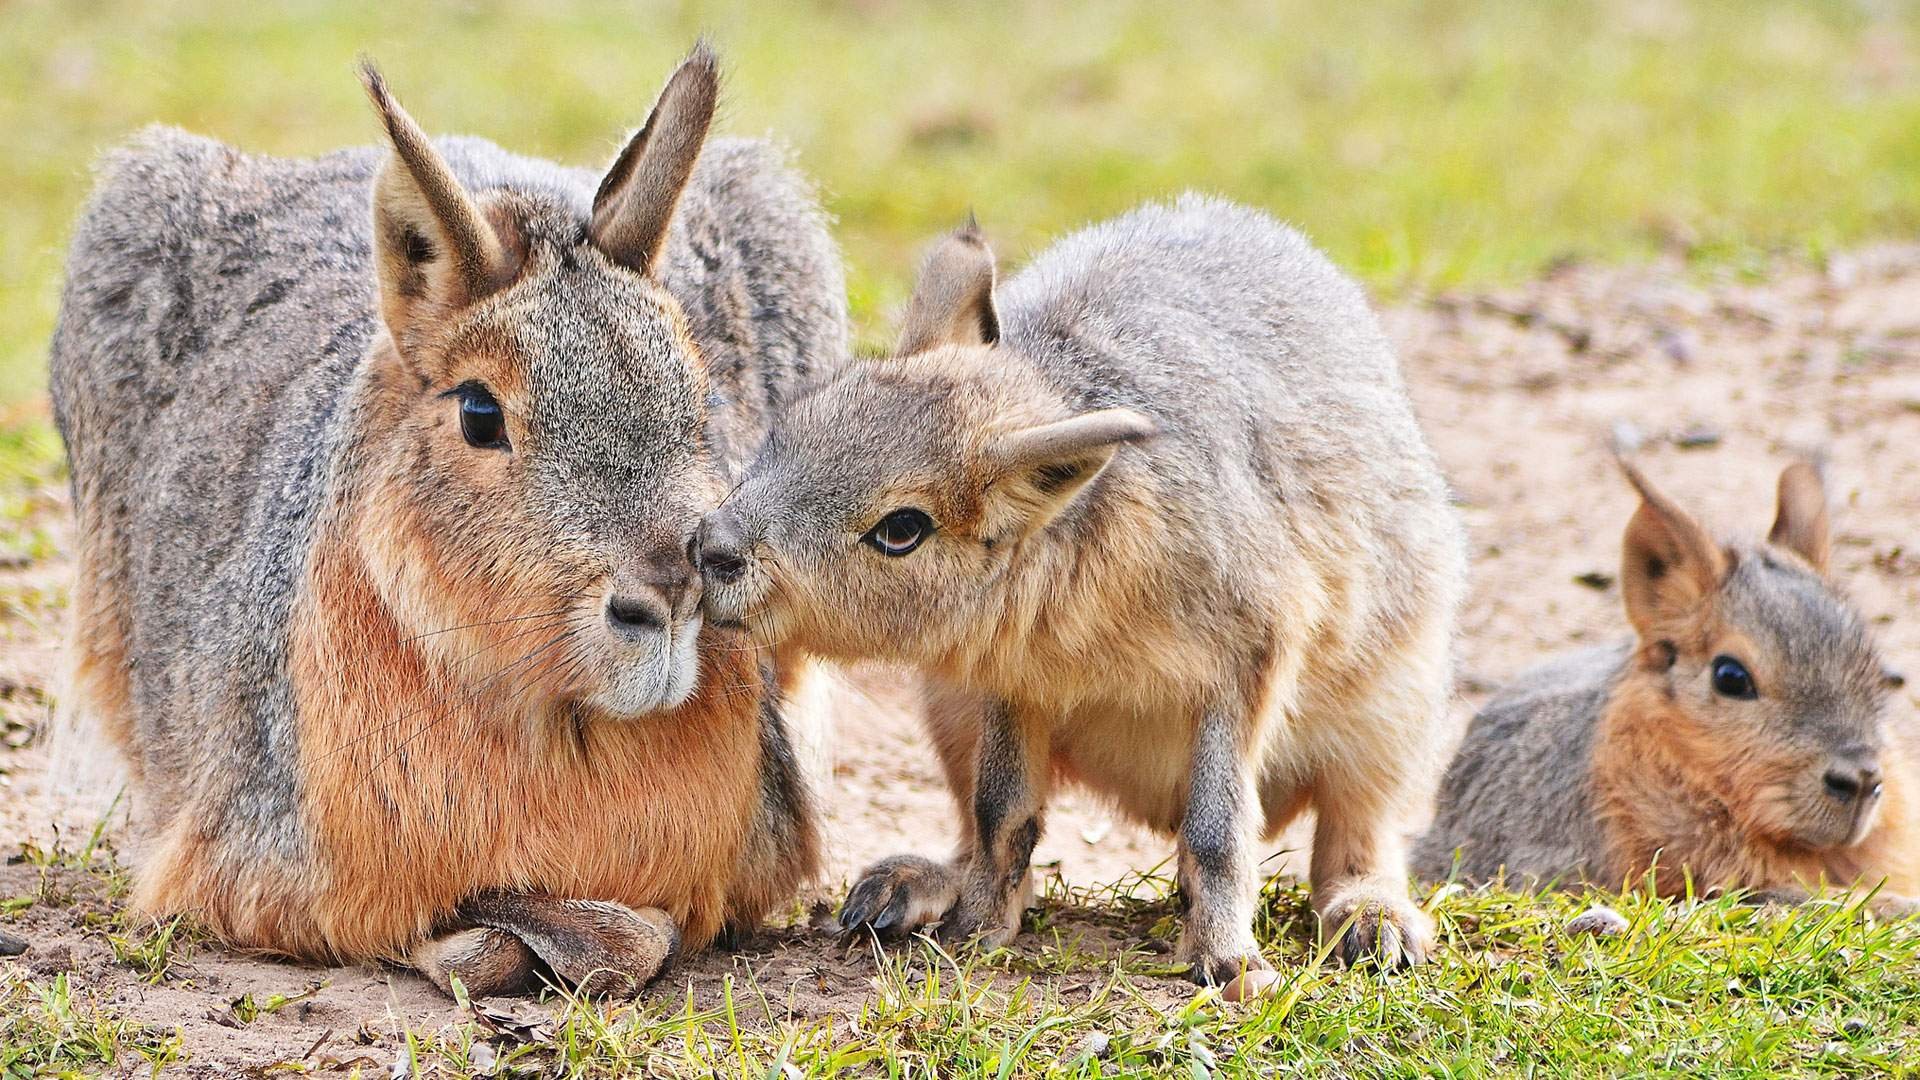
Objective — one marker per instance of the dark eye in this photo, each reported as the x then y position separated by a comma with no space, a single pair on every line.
480,418
900,532
1730,679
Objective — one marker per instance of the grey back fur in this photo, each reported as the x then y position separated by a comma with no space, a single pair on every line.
1518,796
1266,374
1271,388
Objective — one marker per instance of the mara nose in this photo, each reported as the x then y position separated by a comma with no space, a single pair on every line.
1853,780
721,552
636,614
653,594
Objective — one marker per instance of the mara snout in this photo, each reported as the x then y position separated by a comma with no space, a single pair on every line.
1851,790
735,587
651,611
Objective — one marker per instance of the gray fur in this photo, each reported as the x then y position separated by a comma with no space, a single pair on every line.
1264,371
1820,666
1172,471
1266,375
218,314
1518,795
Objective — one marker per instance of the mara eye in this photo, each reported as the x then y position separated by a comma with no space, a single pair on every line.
481,421
1731,679
900,532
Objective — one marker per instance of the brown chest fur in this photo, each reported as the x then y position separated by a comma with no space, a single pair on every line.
416,795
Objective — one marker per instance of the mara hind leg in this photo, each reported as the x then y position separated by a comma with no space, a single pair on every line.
902,893
487,962
599,947
1374,764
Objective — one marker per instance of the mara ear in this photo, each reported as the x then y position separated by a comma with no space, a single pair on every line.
434,250
1037,471
953,300
637,197
1669,564
1800,524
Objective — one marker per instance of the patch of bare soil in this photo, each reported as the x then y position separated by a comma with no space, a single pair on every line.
1522,391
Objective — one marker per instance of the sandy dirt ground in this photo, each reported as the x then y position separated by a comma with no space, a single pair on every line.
1523,391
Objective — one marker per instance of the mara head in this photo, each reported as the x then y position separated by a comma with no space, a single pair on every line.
1761,679
887,505
531,427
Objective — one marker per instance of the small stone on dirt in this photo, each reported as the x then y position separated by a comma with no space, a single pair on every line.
10,945
1095,1045
1595,579
1677,344
1249,985
1598,921
1698,437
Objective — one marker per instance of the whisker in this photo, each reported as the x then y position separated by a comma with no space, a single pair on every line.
489,622
431,705
515,636
747,648
449,708
458,662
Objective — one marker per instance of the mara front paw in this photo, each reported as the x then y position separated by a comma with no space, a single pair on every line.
1220,966
899,895
979,926
988,922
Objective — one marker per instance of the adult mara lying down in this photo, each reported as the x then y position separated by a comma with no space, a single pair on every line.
385,465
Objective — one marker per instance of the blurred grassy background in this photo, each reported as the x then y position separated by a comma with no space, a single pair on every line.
1424,142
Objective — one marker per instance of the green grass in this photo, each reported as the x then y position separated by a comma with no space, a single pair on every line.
1695,987
49,1025
47,1029
1691,987
1424,143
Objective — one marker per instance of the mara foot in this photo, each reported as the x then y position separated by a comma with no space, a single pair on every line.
1377,926
486,962
899,895
600,948
1218,967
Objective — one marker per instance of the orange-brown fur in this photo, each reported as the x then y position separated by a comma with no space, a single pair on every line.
1677,805
419,798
